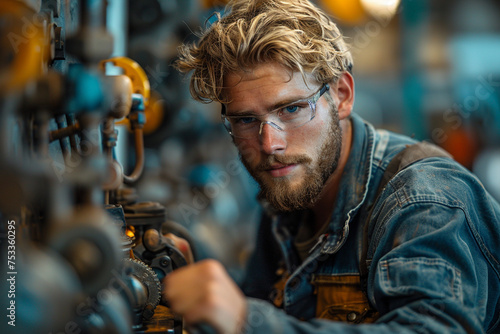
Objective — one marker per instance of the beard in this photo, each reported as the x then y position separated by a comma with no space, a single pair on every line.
280,192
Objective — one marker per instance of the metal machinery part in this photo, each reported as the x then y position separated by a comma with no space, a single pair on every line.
149,222
144,216
46,292
90,243
155,250
144,272
134,71
140,85
161,253
134,91
146,286
143,288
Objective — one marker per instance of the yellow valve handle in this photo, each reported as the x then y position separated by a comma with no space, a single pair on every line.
25,42
154,113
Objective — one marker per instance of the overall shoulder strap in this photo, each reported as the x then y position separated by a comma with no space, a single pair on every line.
411,154
408,156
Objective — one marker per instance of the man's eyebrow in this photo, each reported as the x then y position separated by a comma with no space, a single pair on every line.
288,101
239,113
284,103
277,105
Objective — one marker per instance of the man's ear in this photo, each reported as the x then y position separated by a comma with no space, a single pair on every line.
343,92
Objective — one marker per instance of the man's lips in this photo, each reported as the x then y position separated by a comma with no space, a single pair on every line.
278,170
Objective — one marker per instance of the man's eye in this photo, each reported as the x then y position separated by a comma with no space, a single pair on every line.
291,109
246,120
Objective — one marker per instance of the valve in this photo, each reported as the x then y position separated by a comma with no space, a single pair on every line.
153,113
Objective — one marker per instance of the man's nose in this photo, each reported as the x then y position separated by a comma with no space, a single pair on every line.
272,138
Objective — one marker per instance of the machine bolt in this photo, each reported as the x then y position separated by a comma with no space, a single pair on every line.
165,262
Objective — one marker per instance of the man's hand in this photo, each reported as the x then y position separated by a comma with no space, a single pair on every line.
204,293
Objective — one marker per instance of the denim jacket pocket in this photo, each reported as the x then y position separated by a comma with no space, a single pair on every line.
341,298
420,276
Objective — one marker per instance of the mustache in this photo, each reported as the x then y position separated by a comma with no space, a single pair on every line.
271,160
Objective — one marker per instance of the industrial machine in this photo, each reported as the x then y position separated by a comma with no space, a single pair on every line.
80,252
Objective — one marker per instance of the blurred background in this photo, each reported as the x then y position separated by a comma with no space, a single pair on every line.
428,69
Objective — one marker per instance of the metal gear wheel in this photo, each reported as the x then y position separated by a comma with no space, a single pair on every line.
148,278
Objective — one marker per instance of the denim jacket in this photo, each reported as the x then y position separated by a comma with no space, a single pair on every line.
433,253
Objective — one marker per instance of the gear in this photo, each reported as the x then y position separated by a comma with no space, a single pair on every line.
148,278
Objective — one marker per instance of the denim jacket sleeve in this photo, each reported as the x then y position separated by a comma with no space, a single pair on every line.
433,260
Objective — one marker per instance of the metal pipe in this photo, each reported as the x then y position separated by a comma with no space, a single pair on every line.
61,124
139,158
93,13
70,120
64,132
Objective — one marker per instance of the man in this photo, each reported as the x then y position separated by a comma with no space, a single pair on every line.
333,250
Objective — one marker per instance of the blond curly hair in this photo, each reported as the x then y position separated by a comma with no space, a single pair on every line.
293,33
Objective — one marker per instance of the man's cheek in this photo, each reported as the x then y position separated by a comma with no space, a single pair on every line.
249,154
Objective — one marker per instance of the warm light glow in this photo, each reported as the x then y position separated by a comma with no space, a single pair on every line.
348,12
130,231
381,8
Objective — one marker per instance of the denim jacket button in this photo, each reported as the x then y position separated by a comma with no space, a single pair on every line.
352,316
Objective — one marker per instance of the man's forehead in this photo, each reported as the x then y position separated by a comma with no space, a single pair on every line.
268,81
271,71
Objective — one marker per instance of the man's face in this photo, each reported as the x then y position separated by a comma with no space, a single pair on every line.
291,167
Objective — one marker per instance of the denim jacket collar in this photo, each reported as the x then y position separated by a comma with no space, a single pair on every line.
354,184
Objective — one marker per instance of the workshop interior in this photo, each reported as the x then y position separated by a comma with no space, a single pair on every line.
103,151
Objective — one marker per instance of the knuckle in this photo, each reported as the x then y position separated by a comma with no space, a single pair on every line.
212,268
212,288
